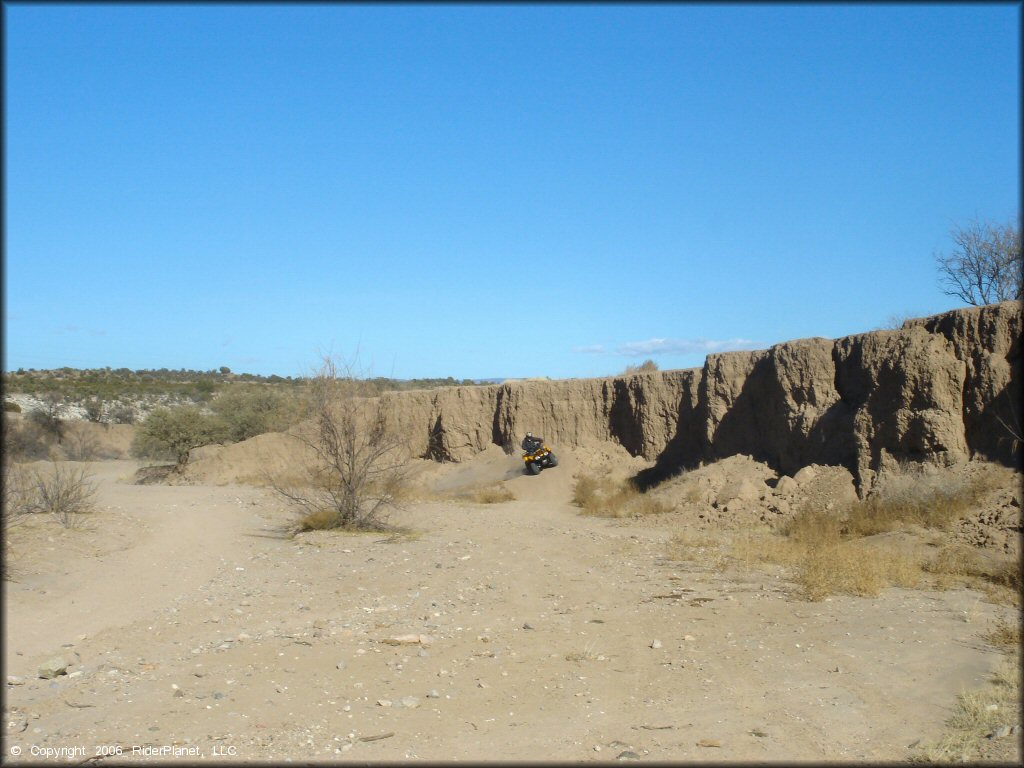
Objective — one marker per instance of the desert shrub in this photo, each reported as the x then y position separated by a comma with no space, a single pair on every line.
122,413
63,492
497,494
48,417
27,442
11,407
607,497
81,445
250,410
647,366
16,502
1004,635
359,461
94,409
17,493
172,433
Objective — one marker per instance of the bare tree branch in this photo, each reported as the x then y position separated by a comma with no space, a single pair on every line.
985,265
358,462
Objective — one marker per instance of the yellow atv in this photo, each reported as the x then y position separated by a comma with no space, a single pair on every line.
538,459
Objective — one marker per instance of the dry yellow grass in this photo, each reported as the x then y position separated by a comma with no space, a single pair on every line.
698,547
606,497
976,716
317,520
915,496
587,654
854,568
495,494
829,552
1004,635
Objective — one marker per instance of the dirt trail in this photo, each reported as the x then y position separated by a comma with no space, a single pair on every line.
543,635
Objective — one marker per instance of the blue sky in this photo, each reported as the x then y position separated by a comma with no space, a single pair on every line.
487,190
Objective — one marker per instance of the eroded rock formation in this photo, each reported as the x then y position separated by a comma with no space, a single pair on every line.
941,389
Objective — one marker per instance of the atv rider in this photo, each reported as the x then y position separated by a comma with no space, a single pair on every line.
531,443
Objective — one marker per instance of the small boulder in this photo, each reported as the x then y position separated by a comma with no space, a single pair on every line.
744,489
55,667
805,475
786,486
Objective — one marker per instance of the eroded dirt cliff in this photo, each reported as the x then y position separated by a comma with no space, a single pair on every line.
941,389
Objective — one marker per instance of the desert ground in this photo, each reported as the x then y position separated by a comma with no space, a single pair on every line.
192,626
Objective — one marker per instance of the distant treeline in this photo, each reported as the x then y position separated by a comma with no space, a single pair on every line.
116,383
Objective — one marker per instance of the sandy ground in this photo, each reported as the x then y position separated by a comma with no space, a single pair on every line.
516,631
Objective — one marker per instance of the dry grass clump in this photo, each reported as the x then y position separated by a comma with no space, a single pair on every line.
318,520
1004,635
829,554
835,551
915,497
495,494
698,547
957,564
607,497
977,717
955,559
854,568
766,547
587,654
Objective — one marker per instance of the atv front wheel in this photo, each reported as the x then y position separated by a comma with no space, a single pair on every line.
533,468
552,461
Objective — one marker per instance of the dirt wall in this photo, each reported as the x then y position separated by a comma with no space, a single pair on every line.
941,389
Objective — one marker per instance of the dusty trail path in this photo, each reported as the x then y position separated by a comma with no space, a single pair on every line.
514,631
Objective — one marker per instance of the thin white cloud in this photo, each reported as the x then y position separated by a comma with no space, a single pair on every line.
71,328
590,349
682,346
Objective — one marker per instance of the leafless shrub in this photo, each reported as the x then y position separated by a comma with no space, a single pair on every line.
17,494
359,462
63,492
49,416
81,445
985,265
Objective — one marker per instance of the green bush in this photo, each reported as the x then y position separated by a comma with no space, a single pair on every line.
172,433
249,410
11,407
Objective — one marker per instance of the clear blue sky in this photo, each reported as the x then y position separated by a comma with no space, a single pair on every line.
484,191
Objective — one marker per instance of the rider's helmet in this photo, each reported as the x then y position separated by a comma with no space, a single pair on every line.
529,434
